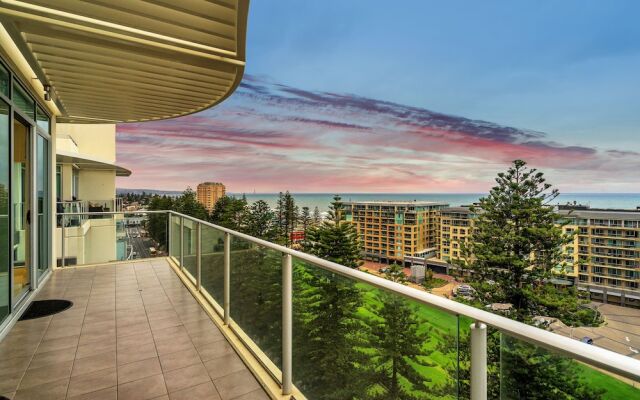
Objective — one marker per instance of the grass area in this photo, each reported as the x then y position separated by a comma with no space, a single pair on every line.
434,283
615,388
444,327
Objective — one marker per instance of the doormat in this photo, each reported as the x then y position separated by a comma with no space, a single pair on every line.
43,308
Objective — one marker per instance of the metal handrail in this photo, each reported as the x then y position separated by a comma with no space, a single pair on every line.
589,354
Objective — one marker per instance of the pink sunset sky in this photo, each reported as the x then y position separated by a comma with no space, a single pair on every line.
270,137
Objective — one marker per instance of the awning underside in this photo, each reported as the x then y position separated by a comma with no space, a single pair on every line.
132,60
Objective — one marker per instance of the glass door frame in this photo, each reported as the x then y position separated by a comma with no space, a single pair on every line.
34,130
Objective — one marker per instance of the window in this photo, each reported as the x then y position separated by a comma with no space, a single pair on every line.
596,279
23,101
42,119
4,81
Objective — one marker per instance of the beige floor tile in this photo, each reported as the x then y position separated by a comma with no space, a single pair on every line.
174,344
93,363
143,389
58,344
179,359
131,354
236,384
91,348
186,377
213,350
103,394
225,365
138,370
52,357
56,390
202,391
91,382
255,395
50,373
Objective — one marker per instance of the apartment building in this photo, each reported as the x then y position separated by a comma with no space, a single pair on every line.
393,231
86,172
605,253
208,194
456,226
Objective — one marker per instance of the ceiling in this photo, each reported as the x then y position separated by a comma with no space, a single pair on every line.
129,61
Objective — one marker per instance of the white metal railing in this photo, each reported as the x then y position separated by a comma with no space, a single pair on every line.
606,360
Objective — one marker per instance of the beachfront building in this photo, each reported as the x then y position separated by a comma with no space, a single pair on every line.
209,193
605,253
456,226
396,231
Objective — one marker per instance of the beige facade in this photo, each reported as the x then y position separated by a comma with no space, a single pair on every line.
605,253
456,226
394,231
86,182
209,193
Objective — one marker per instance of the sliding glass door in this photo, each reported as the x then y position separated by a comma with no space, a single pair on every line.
5,232
43,205
22,210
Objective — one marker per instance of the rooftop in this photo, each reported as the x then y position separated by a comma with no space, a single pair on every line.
602,213
398,203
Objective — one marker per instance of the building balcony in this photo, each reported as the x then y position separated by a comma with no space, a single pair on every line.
231,314
134,332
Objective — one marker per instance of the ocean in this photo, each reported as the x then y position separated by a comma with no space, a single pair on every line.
322,200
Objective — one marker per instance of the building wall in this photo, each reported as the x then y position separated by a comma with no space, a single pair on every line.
456,226
97,185
99,140
390,231
605,255
208,193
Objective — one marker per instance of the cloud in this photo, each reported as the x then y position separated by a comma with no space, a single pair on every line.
270,137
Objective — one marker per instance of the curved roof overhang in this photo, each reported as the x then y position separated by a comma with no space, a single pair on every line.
83,161
130,61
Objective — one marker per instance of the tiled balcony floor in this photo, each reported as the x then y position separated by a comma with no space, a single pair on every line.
134,332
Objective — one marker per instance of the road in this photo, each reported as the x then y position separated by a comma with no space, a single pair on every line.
140,244
619,333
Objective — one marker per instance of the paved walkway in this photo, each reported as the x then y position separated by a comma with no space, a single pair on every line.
134,332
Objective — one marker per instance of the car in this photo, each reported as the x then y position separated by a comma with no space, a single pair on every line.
383,270
463,290
587,340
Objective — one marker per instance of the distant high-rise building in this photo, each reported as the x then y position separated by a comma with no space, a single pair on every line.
209,192
396,231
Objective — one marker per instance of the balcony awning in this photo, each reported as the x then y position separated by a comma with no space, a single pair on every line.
129,61
83,161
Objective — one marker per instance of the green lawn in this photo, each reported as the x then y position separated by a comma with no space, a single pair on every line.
444,326
615,389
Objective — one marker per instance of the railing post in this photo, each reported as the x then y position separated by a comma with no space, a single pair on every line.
227,278
181,242
198,255
63,237
287,323
168,235
478,361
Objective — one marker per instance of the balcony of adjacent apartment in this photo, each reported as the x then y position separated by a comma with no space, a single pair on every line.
220,314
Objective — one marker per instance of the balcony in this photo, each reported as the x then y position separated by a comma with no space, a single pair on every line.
134,331
250,304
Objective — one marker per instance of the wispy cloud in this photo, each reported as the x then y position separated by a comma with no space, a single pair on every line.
270,137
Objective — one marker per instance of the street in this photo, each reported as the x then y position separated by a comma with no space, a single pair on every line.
139,244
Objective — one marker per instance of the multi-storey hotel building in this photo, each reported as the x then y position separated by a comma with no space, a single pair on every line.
605,253
393,231
208,194
456,225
